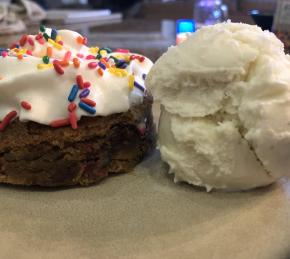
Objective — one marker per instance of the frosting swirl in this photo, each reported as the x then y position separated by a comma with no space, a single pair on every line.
53,78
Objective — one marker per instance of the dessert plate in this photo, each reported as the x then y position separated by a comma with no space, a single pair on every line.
143,214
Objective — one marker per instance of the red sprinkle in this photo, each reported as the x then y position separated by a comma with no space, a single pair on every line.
88,102
41,41
80,55
60,42
30,41
29,52
80,81
133,57
57,67
23,40
122,50
60,123
90,57
64,63
76,62
92,65
6,120
87,84
67,56
25,105
71,107
140,58
73,120
38,36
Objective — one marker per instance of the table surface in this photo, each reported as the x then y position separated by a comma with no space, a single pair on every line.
143,214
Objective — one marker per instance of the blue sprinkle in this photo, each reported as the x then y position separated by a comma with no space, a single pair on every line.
144,76
17,46
87,108
124,66
121,64
53,34
84,93
140,87
102,65
73,93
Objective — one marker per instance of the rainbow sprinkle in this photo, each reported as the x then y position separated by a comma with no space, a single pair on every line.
71,107
45,59
92,65
73,93
25,105
53,34
100,72
87,84
43,66
101,65
140,87
87,108
57,67
80,81
84,93
54,44
73,120
7,119
60,123
131,80
88,102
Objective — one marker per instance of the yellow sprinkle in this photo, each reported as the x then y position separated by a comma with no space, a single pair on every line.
20,51
42,66
131,80
94,50
56,45
118,72
126,57
122,71
58,38
103,52
52,42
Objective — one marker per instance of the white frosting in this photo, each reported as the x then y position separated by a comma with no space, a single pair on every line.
47,91
225,94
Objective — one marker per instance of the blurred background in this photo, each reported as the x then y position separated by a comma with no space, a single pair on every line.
145,26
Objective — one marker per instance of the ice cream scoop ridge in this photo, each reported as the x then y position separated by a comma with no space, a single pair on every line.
53,78
225,96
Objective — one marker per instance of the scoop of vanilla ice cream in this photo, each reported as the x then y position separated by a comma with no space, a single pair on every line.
225,97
